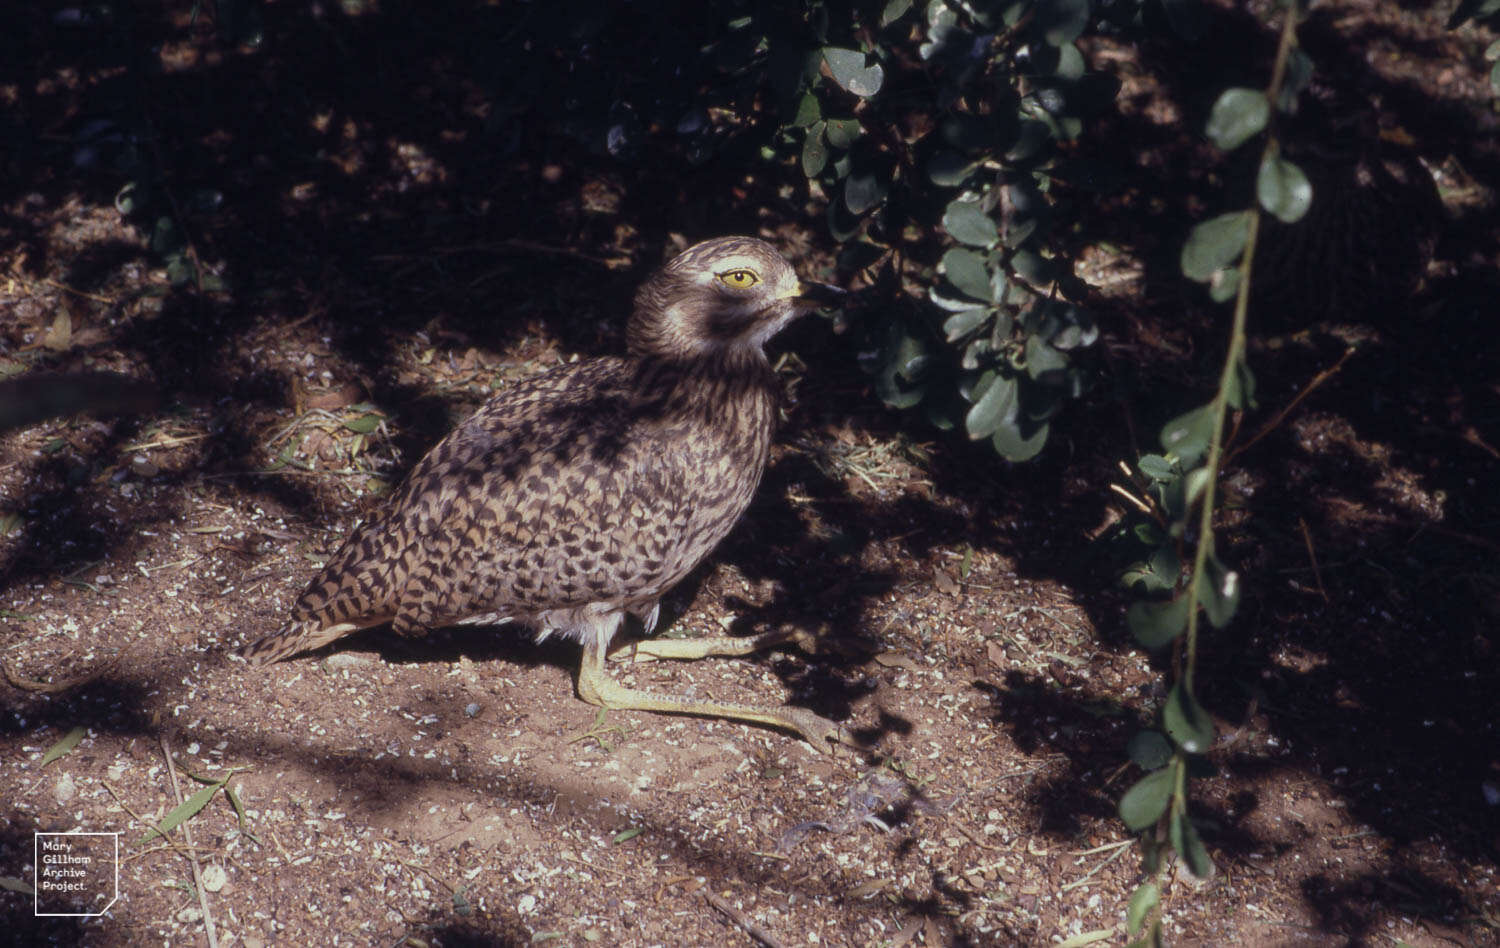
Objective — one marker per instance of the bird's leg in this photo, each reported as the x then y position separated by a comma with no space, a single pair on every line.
649,650
597,688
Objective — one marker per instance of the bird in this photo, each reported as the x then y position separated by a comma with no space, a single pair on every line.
580,495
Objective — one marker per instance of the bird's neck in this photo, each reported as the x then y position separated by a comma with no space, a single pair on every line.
733,387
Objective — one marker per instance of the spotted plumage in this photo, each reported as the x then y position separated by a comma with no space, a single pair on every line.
586,492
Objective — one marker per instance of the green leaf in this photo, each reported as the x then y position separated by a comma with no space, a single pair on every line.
1035,135
127,199
1076,329
1193,483
184,810
1143,902
814,151
1156,624
1156,467
1241,391
1149,750
849,71
1070,64
627,835
1283,189
364,424
1215,244
1224,284
12,884
949,169
1219,592
843,132
1189,846
1043,362
809,110
998,286
1495,78
1143,804
863,191
1237,116
1186,722
990,411
841,224
1299,73
942,413
1158,573
180,270
953,304
1188,434
1014,444
894,395
967,272
1473,10
64,746
894,10
1166,567
1148,533
967,224
1062,21
1033,266
911,358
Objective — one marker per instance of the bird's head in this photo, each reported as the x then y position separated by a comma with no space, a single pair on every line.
729,293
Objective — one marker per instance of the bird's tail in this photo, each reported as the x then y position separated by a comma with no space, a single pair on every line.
297,637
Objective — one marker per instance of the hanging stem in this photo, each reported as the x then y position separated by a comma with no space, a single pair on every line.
1232,360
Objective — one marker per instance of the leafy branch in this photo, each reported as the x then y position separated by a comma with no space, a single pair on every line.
1220,253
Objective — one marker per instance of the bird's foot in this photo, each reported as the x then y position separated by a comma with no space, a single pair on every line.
650,650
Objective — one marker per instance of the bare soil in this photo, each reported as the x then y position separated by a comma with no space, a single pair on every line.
454,790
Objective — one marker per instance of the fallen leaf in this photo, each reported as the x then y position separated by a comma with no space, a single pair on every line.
342,397
896,660
60,336
945,583
868,888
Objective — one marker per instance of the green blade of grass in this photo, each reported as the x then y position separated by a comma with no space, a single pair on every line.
62,747
187,808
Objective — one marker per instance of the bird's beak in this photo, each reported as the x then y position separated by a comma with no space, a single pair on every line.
820,295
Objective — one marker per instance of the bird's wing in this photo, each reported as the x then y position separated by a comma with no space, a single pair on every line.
562,490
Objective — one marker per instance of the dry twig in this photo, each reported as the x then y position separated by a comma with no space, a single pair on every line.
742,920
187,835
1287,409
54,687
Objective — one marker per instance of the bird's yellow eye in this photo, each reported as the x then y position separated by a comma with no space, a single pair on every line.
739,279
